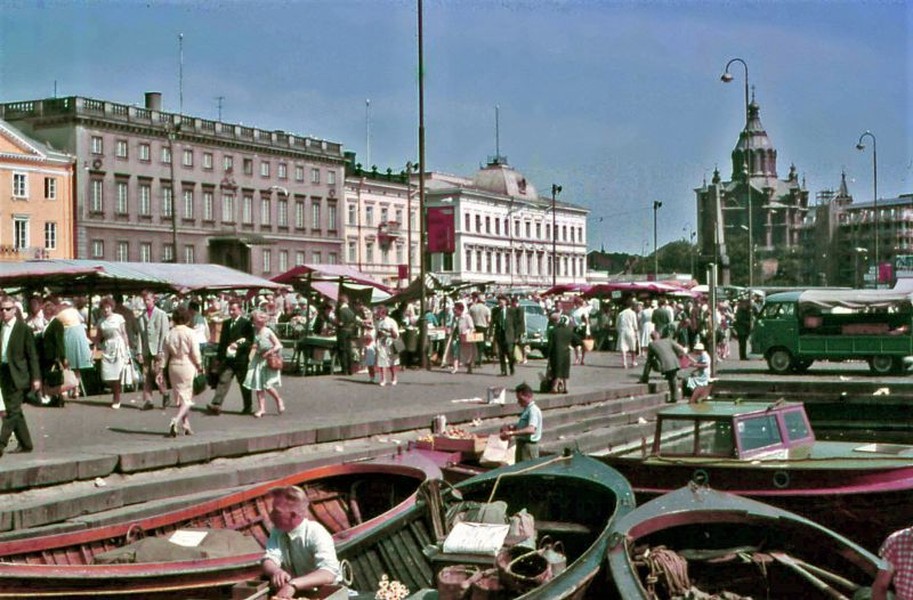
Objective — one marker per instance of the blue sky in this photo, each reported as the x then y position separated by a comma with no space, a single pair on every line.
620,102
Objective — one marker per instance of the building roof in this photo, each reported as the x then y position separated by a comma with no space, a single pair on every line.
31,149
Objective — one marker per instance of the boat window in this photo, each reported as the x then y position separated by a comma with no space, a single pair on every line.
676,436
758,432
715,438
796,425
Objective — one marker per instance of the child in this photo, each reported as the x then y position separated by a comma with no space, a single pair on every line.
370,354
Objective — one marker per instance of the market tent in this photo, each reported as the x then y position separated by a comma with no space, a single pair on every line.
327,280
567,288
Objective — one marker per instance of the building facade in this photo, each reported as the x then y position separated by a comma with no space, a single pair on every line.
381,223
507,234
775,209
156,186
36,198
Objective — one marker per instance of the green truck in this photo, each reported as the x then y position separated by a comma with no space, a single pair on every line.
794,329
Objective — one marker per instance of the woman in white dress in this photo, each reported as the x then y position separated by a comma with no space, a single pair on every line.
646,326
111,339
261,378
626,324
386,330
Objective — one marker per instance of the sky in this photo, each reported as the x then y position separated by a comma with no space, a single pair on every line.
619,102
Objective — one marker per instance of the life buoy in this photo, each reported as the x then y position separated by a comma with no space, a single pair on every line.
781,479
700,477
96,164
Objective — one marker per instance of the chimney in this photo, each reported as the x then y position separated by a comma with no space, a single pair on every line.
154,100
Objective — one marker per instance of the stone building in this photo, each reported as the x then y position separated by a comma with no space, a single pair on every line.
255,200
36,198
754,197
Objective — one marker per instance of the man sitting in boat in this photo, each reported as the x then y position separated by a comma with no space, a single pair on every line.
299,553
898,551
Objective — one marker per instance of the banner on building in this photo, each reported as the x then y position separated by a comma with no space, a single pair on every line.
441,229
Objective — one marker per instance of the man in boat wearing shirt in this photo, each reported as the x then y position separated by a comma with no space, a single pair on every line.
898,551
299,553
528,430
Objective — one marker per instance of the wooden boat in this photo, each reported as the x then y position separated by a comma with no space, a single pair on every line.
696,538
573,498
768,451
349,499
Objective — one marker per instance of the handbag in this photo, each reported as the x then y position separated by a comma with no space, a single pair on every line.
54,377
200,382
70,382
588,344
398,345
274,361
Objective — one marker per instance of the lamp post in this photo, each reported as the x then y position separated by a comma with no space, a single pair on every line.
556,189
172,134
656,206
726,77
860,146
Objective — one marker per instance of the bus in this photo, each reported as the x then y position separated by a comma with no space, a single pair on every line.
794,329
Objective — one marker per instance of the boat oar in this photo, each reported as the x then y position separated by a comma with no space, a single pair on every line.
825,574
789,561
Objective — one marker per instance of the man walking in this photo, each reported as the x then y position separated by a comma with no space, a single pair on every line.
481,320
153,328
346,326
19,372
504,331
528,430
663,355
233,356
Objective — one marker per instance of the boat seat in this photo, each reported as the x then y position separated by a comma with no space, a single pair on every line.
562,527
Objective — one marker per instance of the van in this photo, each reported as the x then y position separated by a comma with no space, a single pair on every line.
794,329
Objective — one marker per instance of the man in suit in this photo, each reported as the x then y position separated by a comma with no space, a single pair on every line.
19,372
663,355
504,333
233,356
346,329
153,328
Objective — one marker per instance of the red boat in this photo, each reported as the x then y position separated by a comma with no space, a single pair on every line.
349,499
768,451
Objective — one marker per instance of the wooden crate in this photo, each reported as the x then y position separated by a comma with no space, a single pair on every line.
468,446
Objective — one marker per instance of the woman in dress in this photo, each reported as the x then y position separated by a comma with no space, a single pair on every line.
626,325
181,354
261,378
75,341
111,339
464,325
560,339
386,330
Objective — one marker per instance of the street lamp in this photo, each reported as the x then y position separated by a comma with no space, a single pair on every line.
656,206
726,77
860,146
556,189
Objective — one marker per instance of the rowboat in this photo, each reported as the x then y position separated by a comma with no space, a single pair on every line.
698,539
349,499
768,451
573,499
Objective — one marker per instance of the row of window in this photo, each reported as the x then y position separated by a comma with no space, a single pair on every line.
144,153
369,257
22,234
122,253
523,263
21,186
228,205
576,233
352,216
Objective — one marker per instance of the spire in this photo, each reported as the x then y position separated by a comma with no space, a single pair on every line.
755,146
843,191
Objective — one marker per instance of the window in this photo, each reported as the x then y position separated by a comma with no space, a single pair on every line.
299,258
538,231
369,253
572,235
283,174
468,259
248,166
247,210
266,210
145,199
487,224
20,185
564,233
331,177
208,206
50,188
467,222
315,175
98,145
50,235
317,257
166,154
145,153
228,208
353,252
283,261
479,261
145,252
167,253
282,215
167,202
400,254
188,158
299,214
478,223
352,214
412,224
385,255
384,214
188,204
98,248
399,216
207,160
315,214
20,233
122,199
331,217
190,255
369,216
96,201
264,168
528,230
548,231
332,258
267,259
120,149
123,251
516,229
758,432
299,173
228,162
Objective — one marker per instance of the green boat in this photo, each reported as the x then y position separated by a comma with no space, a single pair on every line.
573,498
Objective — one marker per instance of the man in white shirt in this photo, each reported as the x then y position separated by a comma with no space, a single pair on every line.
528,430
299,553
